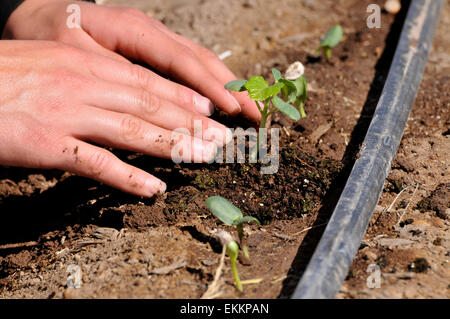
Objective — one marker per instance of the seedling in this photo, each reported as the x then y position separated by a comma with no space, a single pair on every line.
293,91
232,249
230,215
332,38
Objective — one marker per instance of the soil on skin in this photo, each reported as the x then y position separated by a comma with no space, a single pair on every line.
128,247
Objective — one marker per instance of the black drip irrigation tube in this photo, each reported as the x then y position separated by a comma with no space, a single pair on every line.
333,256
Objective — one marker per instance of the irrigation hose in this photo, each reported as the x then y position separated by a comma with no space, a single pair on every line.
333,256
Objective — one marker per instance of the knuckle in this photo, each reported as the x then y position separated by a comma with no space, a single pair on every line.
51,107
130,128
150,103
67,78
143,77
97,162
64,86
185,96
68,52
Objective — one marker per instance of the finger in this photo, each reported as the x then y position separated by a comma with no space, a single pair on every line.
142,42
155,110
128,132
141,78
79,38
99,164
216,67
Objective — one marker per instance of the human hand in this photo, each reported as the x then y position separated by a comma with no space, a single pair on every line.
56,98
114,31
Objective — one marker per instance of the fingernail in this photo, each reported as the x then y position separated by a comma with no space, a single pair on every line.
203,105
154,188
236,103
162,187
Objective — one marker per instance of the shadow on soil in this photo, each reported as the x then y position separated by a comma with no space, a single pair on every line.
311,240
75,201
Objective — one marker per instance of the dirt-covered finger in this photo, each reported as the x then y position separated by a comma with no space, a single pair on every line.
99,164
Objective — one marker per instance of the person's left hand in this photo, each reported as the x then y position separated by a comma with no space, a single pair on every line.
125,32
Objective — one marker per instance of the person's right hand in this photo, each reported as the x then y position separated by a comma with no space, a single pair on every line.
55,99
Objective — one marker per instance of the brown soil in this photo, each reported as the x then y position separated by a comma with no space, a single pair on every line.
123,244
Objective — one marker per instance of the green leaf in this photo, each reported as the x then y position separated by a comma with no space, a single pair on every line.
223,209
289,90
332,38
301,86
276,74
286,108
236,85
258,92
246,219
256,83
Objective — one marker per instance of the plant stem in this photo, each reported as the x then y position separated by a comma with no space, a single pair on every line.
328,53
264,115
301,110
233,252
240,230
259,107
235,273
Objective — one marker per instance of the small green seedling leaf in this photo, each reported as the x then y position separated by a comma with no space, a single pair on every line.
236,85
259,90
286,108
256,83
332,38
224,209
262,95
300,85
276,74
289,90
246,219
293,91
